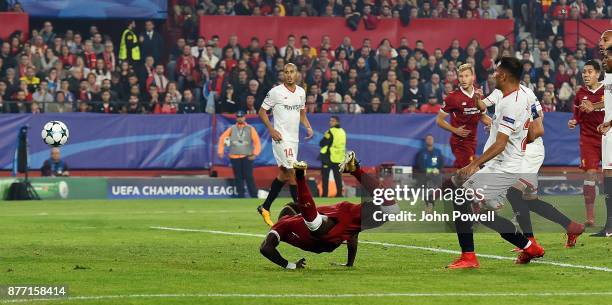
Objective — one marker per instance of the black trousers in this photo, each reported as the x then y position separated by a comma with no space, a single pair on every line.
334,167
243,170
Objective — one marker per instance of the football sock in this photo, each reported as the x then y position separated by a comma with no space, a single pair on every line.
507,230
275,188
305,201
294,192
608,190
588,190
464,229
549,212
521,210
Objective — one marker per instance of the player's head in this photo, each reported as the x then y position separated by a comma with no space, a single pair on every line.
240,117
55,154
290,72
334,120
591,72
507,72
607,59
465,73
605,41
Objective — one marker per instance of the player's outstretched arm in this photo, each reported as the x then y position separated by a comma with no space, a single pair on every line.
482,106
351,246
268,249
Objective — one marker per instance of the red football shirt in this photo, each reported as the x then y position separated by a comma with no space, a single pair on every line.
589,121
293,230
463,109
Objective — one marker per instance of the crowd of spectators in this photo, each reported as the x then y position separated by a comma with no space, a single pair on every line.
73,71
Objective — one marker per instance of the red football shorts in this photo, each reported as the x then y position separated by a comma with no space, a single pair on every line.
464,153
590,156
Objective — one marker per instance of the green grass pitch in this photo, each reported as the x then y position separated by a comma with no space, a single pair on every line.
108,253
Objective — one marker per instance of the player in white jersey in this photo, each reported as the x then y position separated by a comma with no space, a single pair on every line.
287,103
605,45
528,179
502,162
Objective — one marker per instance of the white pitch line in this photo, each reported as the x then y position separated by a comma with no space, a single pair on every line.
384,244
119,213
318,296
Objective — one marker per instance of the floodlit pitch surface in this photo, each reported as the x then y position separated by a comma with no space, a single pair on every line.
196,252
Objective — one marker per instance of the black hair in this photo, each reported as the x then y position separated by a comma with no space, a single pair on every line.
594,64
511,65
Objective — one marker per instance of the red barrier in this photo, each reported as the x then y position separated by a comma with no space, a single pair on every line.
587,28
436,33
12,22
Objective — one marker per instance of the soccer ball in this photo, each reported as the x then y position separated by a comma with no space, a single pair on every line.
55,133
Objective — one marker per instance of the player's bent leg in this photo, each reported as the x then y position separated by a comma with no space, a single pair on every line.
520,207
548,211
369,182
494,187
305,202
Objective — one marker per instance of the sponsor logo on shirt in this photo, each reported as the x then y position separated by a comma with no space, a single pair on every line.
471,110
508,119
292,107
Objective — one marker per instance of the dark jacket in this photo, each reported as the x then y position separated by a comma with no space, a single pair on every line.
152,46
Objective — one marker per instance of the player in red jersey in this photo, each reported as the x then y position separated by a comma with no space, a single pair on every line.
462,106
325,228
588,113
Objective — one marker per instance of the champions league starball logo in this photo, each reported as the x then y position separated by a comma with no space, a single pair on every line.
562,189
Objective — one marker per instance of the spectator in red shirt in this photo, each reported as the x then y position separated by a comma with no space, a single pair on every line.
561,10
89,55
168,107
369,19
109,56
185,65
230,61
561,76
432,105
158,79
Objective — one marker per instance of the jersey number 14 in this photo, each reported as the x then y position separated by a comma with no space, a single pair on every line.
288,152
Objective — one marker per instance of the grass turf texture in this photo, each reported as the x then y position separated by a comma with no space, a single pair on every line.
107,248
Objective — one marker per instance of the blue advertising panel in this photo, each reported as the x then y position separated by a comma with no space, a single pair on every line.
98,9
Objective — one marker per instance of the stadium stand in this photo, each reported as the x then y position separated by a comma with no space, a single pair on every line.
44,70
